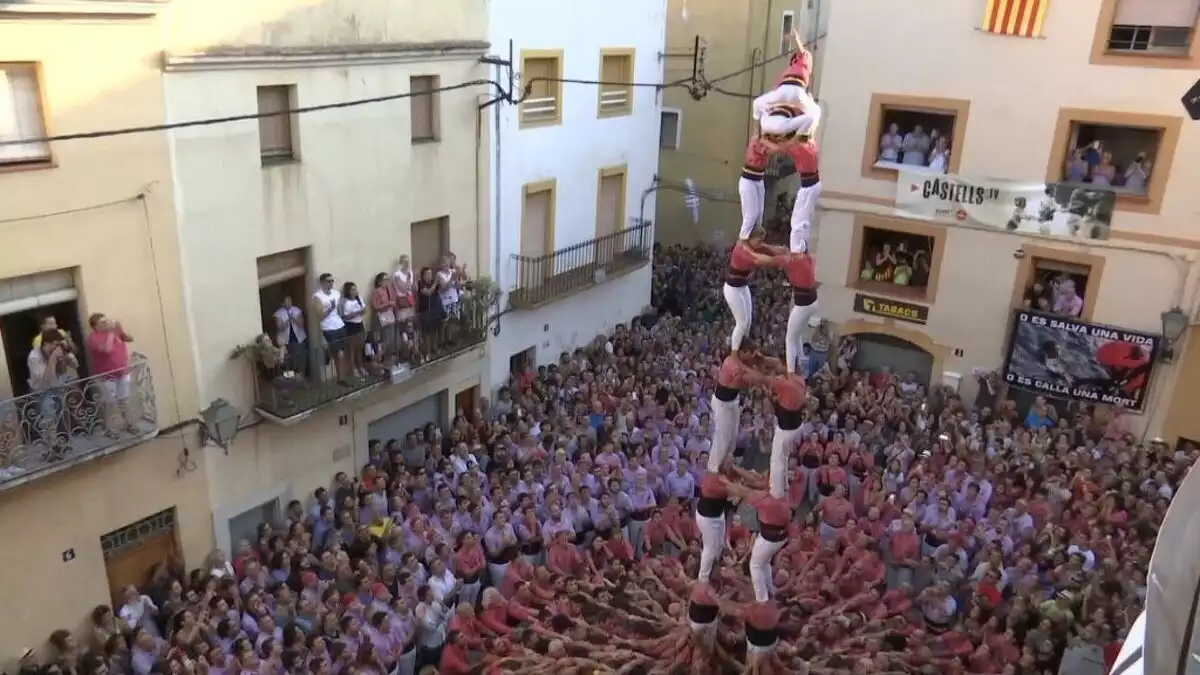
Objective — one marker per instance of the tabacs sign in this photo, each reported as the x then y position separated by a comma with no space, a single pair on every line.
891,309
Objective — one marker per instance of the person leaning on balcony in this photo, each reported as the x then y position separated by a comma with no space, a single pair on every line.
51,365
108,352
48,322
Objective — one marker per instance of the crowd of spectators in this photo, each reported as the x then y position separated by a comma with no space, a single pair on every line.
915,147
930,536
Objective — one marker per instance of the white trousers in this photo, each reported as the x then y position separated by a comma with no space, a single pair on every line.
782,125
784,93
712,536
726,416
794,338
497,572
802,216
742,306
781,449
761,556
753,194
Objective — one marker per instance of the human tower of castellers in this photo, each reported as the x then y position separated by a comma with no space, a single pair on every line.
787,117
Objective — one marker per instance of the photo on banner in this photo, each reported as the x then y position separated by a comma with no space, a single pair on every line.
1071,210
1064,358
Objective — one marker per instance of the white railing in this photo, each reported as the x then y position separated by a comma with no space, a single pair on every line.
539,109
614,99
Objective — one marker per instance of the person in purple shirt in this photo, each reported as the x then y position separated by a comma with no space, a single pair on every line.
969,503
680,484
500,545
557,522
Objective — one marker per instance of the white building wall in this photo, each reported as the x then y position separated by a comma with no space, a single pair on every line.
572,153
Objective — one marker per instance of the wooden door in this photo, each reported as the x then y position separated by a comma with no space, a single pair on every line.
133,552
466,400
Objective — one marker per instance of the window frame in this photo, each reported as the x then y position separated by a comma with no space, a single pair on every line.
610,172
293,138
627,109
557,55
536,187
785,35
1028,267
937,233
434,110
49,161
678,113
1169,126
960,109
1103,56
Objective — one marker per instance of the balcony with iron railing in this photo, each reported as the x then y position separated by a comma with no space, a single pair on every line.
49,430
292,382
544,279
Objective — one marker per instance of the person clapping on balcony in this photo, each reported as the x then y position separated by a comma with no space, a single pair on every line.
108,352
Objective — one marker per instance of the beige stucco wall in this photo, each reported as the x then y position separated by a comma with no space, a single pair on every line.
195,25
1015,86
350,198
716,129
974,292
97,75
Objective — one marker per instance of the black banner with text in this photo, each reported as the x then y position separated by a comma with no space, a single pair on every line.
1066,358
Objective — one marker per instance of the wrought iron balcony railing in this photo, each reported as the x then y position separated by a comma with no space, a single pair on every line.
543,279
49,430
294,381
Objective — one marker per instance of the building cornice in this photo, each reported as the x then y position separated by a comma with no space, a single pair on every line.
259,58
114,9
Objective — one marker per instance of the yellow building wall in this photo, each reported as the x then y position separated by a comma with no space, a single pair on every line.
735,36
98,74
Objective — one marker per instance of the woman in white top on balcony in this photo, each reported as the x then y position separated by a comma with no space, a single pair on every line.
353,311
405,279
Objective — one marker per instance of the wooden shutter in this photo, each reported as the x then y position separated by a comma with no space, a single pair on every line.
423,107
542,104
668,130
1176,13
21,114
536,223
430,241
610,204
275,131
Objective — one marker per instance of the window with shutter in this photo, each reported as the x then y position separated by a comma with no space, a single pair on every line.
21,116
668,130
430,240
424,108
616,77
1147,34
540,75
275,133
785,32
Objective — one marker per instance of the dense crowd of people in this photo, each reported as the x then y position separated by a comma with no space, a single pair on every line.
552,530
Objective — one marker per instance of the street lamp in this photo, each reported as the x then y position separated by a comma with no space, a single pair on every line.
1174,323
220,424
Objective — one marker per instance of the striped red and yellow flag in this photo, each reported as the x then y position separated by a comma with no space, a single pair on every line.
1023,18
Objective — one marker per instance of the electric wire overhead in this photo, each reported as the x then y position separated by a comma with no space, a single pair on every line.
698,86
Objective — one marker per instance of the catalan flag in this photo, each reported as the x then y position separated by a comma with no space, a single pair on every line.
1022,18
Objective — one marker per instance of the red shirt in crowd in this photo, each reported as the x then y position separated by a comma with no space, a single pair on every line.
106,357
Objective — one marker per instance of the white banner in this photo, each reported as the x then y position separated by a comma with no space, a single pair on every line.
1078,211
